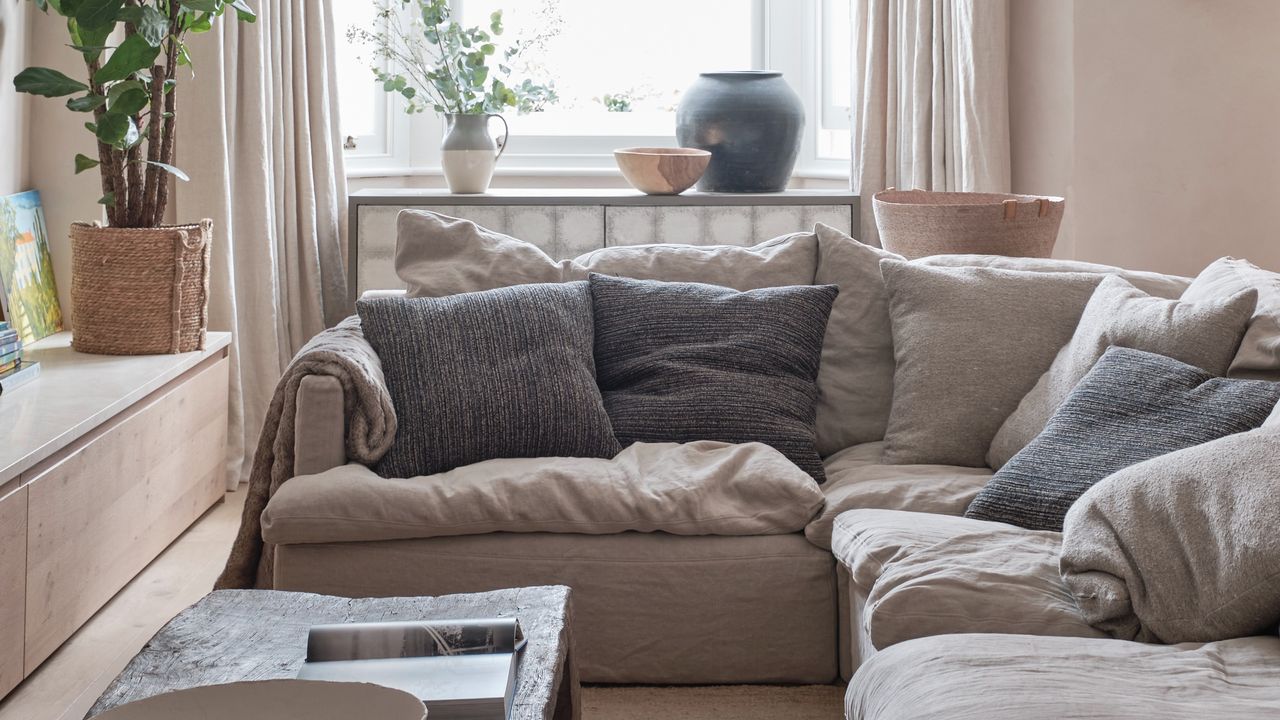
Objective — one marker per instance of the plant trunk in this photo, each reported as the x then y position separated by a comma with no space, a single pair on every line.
106,154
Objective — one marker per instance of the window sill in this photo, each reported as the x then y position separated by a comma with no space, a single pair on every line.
557,171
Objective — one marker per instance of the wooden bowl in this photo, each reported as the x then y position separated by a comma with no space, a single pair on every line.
662,171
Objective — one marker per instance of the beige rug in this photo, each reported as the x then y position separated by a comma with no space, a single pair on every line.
716,702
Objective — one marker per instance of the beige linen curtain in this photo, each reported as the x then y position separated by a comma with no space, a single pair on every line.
258,135
930,98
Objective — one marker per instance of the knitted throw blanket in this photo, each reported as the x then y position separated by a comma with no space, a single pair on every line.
339,352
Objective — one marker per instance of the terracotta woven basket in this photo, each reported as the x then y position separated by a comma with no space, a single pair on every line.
917,223
140,291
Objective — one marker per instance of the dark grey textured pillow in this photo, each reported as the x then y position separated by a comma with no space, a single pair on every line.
679,362
1132,406
502,373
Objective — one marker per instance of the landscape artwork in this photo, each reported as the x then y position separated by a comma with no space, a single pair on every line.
26,269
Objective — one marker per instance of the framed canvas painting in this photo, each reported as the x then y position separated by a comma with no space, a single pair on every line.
26,269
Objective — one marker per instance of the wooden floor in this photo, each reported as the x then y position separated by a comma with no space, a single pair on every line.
65,686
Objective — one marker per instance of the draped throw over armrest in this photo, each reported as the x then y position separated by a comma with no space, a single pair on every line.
340,352
697,488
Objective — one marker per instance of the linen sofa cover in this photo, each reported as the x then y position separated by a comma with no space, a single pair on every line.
857,478
1017,677
698,488
1182,547
648,607
915,574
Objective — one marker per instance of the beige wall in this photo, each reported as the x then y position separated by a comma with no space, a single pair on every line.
14,161
1160,122
56,136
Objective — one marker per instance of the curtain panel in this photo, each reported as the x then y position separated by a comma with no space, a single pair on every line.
930,98
259,138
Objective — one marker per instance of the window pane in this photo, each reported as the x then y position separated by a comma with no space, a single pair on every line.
620,67
358,91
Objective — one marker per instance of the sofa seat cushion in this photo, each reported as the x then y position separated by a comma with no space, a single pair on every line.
858,479
924,574
699,488
1014,677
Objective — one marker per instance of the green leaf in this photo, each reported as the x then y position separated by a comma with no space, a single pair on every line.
89,41
114,128
84,162
202,23
134,54
128,102
495,22
47,83
88,103
151,24
244,12
108,199
209,6
170,169
93,14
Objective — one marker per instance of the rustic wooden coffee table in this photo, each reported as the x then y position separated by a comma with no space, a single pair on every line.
234,635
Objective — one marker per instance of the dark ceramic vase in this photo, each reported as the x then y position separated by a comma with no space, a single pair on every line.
750,121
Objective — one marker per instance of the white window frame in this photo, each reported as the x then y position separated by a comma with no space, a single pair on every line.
788,37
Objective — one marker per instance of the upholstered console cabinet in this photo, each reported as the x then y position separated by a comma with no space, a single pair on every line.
105,461
568,223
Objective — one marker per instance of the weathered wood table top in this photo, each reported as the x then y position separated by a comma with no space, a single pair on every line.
234,635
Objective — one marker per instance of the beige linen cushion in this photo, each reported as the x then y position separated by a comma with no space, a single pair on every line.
698,488
1018,677
1204,334
926,574
857,478
1259,354
1182,547
438,255
1158,284
855,381
993,579
968,344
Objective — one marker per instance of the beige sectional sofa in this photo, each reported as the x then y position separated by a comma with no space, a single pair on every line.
885,576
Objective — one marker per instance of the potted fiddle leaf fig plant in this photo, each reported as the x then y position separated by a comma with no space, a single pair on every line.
424,55
138,286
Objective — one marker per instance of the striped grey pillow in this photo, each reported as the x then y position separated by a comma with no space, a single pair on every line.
1132,406
504,373
679,362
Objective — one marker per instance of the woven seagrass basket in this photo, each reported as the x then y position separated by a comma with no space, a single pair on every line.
917,223
139,291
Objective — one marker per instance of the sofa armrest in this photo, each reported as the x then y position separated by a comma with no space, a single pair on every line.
319,441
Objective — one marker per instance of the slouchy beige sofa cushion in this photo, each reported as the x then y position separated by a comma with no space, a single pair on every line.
698,488
1182,547
857,478
1018,677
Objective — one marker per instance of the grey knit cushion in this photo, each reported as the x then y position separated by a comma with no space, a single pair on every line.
1132,406
502,373
679,362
